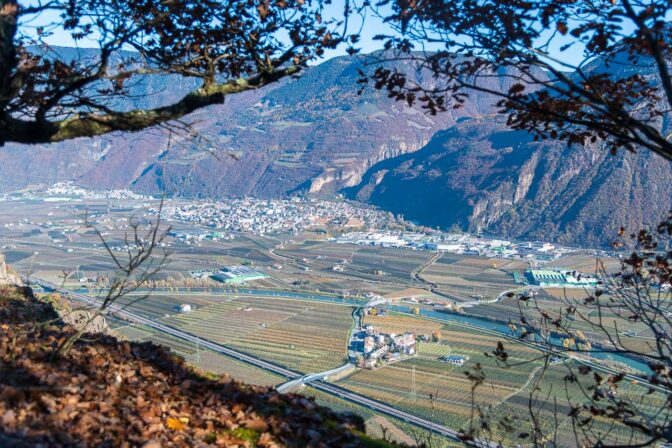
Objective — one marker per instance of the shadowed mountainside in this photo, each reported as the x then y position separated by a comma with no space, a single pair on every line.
480,175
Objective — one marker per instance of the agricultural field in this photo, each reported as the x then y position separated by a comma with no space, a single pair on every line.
334,281
441,392
379,426
398,324
156,306
553,399
316,251
465,277
82,250
585,262
398,264
304,336
311,336
203,359
327,280
510,309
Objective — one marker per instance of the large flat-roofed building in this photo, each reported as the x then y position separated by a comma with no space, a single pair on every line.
560,278
444,247
545,277
237,274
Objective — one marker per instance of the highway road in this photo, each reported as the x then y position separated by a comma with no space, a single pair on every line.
321,385
312,377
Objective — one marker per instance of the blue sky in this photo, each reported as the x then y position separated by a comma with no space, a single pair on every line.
373,26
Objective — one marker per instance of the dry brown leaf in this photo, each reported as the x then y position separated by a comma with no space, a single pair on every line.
175,424
256,424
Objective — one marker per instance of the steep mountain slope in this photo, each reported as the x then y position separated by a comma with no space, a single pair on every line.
313,134
481,175
317,135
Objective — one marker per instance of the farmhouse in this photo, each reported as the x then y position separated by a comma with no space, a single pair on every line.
378,349
445,247
380,352
405,343
184,308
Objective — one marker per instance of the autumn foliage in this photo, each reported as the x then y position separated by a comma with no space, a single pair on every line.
107,392
221,48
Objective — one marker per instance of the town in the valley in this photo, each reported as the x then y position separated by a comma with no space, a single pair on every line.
335,291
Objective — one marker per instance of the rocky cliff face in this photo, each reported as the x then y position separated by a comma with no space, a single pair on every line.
480,175
7,277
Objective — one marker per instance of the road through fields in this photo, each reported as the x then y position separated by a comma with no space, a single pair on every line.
321,385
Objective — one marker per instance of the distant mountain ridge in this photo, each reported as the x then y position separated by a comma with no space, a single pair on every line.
316,135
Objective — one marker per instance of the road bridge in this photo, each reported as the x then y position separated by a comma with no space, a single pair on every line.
312,377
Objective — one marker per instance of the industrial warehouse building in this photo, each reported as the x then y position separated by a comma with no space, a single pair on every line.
559,278
237,274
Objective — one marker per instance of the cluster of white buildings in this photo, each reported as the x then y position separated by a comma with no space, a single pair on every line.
195,236
67,190
259,216
384,239
378,349
459,243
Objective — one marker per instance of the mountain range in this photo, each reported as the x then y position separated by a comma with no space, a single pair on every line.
316,135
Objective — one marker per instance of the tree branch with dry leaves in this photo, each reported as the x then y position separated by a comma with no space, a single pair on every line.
220,47
614,88
141,259
608,401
